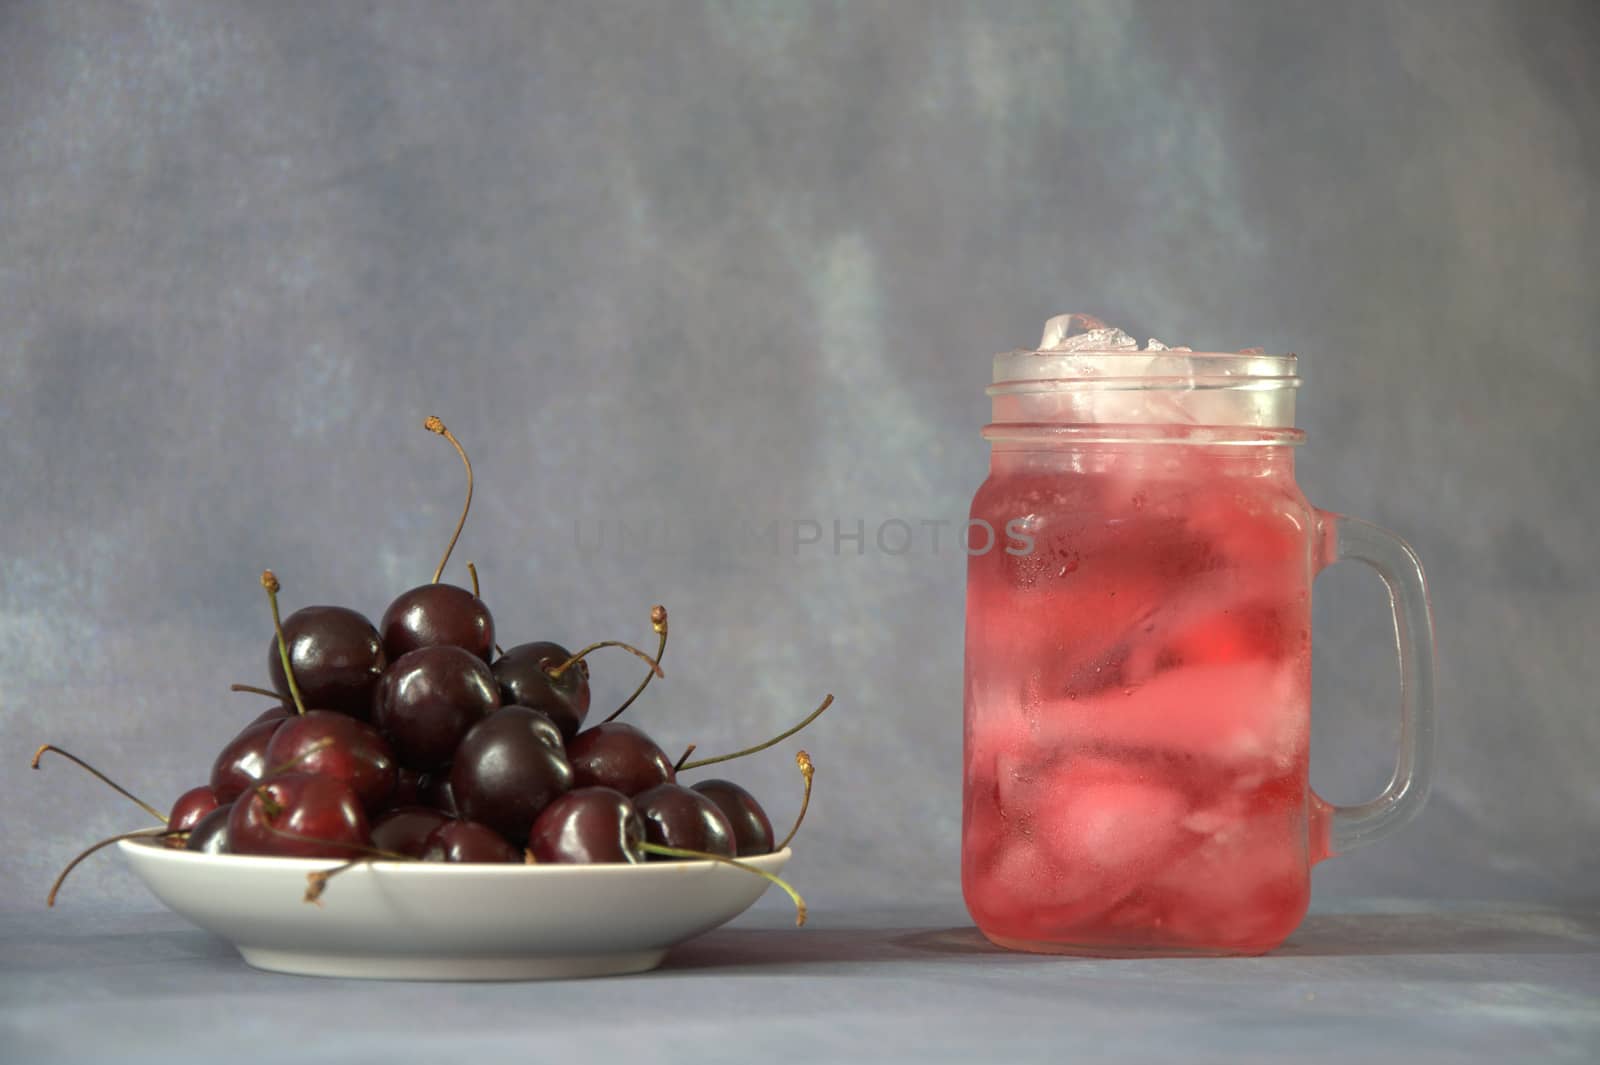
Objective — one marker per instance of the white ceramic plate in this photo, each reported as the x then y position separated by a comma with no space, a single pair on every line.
432,921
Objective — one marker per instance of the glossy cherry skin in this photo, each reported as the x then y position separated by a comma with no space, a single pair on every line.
191,806
333,744
406,830
468,841
676,816
509,767
336,656
617,755
299,815
428,699
588,825
521,674
276,713
752,829
243,761
210,833
435,615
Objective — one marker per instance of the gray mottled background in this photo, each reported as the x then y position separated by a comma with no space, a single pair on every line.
693,265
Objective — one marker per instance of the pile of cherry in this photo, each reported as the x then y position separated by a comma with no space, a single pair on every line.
419,739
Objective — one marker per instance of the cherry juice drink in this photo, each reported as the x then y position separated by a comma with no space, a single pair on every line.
1138,680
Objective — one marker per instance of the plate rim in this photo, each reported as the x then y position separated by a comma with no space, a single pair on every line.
151,847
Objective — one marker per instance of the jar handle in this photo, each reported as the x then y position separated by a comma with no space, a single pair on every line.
1349,827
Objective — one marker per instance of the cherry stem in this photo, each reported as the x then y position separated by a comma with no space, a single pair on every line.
253,690
679,852
476,594
144,833
316,748
107,781
317,882
269,806
434,425
658,622
779,738
272,807
807,770
269,581
682,758
363,851
555,672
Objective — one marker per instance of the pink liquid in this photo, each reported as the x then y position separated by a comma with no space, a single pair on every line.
1137,703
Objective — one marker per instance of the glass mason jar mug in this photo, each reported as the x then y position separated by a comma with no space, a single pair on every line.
1138,660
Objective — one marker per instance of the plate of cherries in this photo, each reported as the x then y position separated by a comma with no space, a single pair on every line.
419,802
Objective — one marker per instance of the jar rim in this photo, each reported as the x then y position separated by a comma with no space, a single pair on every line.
1162,388
1053,435
1168,383
1162,369
1151,353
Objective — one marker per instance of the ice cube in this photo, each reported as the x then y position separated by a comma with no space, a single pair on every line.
1003,741
1108,828
1236,716
1017,776
1245,885
983,828
1084,332
1168,394
1013,886
1106,816
1168,401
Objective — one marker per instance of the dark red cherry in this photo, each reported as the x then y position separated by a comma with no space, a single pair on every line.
333,744
336,656
617,755
410,785
191,806
521,674
588,825
243,761
676,816
438,795
467,841
299,815
509,767
438,615
275,713
428,699
210,833
406,830
752,830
